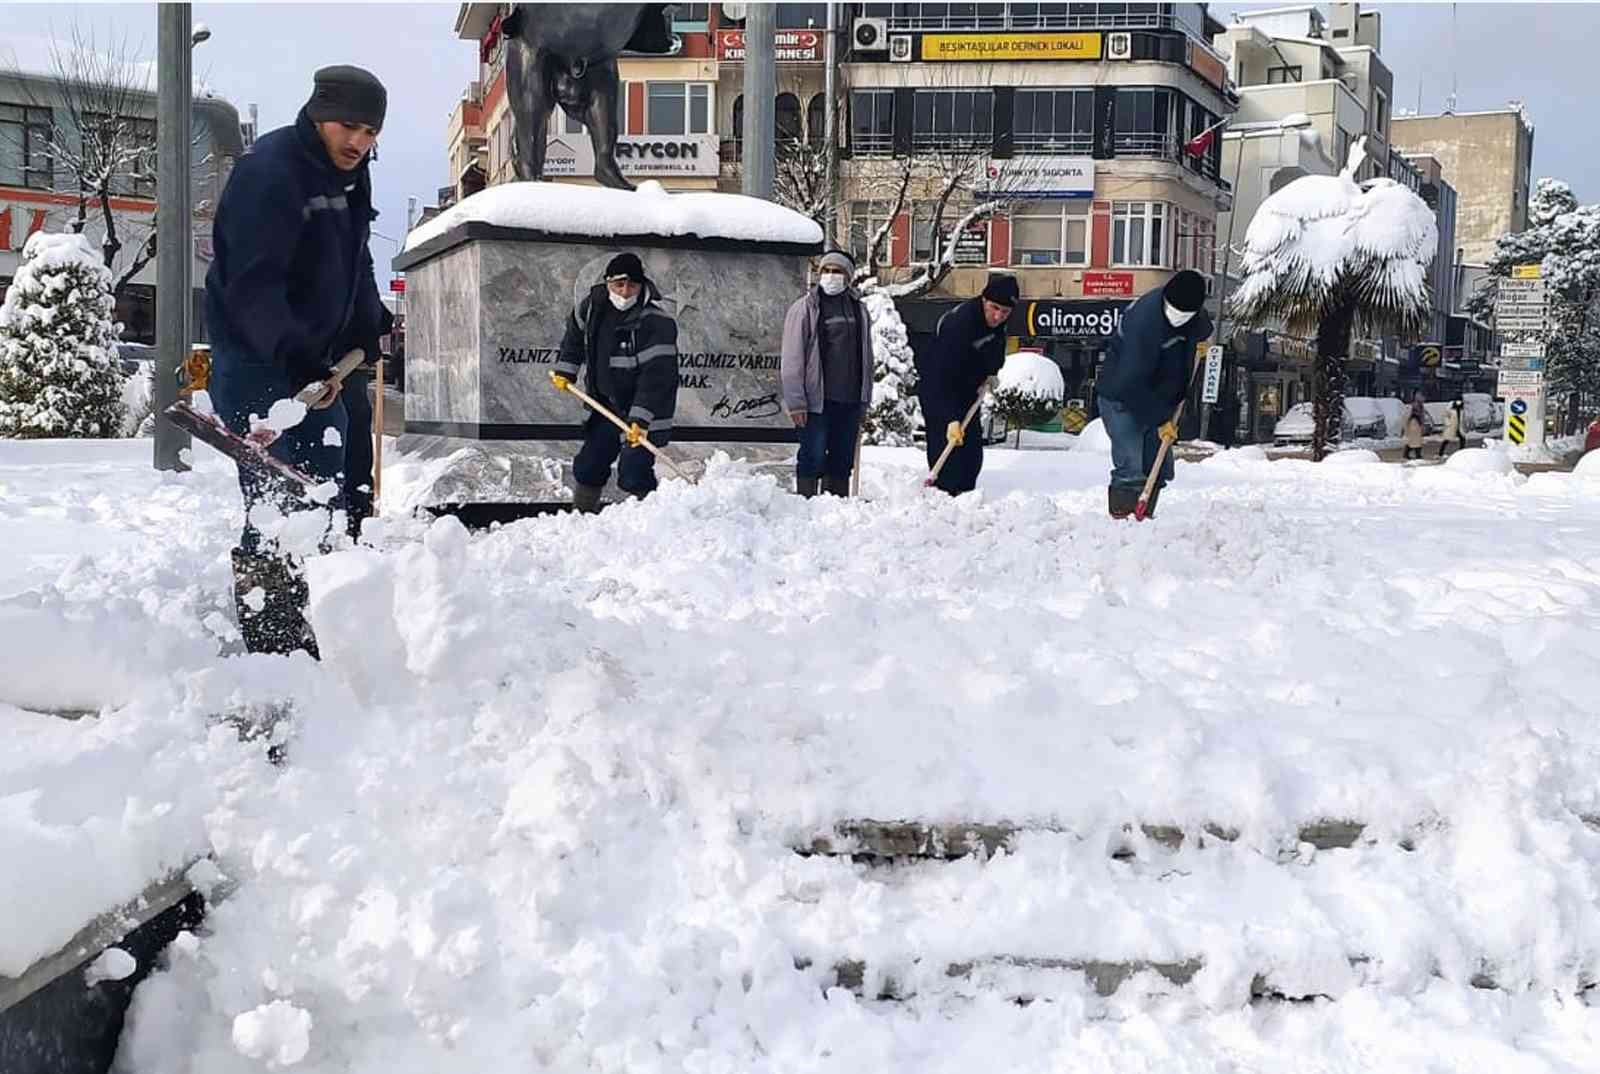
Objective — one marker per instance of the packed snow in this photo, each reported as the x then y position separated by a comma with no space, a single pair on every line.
1032,372
542,790
564,209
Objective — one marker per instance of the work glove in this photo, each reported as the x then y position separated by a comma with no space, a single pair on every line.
562,383
635,435
955,434
1168,432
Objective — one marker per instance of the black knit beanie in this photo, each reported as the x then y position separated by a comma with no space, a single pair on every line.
345,94
1186,292
625,265
1001,289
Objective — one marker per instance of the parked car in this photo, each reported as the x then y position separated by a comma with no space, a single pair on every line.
1477,412
1591,439
1363,419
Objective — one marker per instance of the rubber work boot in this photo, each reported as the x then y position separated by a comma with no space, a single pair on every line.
838,486
1121,501
270,596
586,498
805,486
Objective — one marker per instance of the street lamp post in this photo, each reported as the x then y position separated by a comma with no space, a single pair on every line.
1241,133
175,39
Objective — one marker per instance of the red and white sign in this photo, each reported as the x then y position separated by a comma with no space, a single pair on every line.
1108,284
791,46
398,285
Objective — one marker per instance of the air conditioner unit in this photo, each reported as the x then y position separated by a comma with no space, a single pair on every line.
900,48
870,35
1119,46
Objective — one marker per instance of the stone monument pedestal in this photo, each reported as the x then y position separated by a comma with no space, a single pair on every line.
492,284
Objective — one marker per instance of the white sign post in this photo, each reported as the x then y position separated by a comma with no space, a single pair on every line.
1212,389
1521,309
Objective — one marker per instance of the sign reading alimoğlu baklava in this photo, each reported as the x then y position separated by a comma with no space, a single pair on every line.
1017,46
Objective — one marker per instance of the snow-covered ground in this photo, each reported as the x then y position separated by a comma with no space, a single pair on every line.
543,788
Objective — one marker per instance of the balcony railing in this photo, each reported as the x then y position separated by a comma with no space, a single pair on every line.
1047,143
1019,21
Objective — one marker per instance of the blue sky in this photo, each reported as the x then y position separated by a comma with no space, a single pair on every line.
265,54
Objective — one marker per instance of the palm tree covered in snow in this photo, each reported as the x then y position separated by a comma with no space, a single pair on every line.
1325,251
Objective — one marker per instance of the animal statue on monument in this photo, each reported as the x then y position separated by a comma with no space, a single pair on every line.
566,54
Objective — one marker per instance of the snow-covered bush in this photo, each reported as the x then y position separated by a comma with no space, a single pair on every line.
59,374
1030,391
891,417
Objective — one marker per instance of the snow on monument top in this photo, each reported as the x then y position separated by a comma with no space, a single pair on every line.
563,209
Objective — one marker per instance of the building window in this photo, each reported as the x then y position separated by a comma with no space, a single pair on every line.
944,119
690,16
127,145
1138,233
677,108
25,146
866,217
1380,114
872,121
1279,75
1144,122
1341,147
817,119
1054,121
1193,242
1050,233
786,114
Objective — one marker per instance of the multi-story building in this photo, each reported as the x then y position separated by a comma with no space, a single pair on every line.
39,192
1489,158
1073,116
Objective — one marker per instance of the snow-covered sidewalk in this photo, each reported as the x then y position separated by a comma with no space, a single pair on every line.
546,786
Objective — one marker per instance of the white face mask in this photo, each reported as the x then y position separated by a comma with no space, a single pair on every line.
832,283
1176,317
621,303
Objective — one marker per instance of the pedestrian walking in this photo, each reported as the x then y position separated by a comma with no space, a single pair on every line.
1416,426
827,376
290,290
969,347
1145,376
1454,428
628,346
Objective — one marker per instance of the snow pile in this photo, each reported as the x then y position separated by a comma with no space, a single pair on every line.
563,209
543,790
1588,467
1352,457
1480,461
1094,439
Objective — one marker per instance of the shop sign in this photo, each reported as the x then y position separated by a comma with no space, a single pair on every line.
1063,319
1016,46
1040,177
789,46
637,154
1107,283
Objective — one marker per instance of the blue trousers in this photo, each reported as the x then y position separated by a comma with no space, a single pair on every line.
602,444
239,389
1133,447
828,441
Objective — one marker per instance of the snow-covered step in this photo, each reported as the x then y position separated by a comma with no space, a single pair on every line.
896,839
901,982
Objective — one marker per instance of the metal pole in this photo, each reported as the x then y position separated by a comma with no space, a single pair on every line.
760,93
1227,254
174,224
830,126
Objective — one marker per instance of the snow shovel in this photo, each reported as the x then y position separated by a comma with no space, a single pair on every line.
377,442
855,469
593,405
950,445
1141,508
313,391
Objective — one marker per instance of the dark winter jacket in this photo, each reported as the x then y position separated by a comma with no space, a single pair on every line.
801,366
1149,362
643,371
291,288
965,353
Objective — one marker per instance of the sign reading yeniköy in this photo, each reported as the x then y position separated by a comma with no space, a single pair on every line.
1023,46
1041,177
1088,320
637,154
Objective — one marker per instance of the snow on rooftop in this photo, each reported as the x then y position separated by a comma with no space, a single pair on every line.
564,209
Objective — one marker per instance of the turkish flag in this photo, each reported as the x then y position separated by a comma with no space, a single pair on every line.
1197,146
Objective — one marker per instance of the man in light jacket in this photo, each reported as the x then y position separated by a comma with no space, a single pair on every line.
827,375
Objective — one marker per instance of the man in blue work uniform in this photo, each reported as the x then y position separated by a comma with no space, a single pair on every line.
290,291
969,347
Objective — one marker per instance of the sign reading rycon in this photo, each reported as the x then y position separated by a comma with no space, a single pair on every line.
637,154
